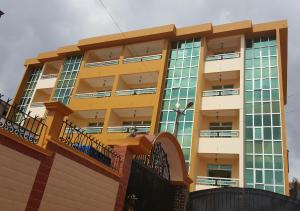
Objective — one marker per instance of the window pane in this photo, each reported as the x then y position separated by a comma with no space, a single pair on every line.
267,133
259,178
268,162
276,119
267,120
249,147
269,177
275,107
258,146
278,177
267,147
258,161
249,120
257,120
278,161
249,133
257,133
249,161
276,133
249,176
277,147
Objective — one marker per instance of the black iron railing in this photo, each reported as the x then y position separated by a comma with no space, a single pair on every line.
20,123
78,139
157,161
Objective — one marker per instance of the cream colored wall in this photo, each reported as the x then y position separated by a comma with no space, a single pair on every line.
223,65
207,120
72,186
220,145
204,161
17,175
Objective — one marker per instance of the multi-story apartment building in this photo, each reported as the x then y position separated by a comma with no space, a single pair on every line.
235,74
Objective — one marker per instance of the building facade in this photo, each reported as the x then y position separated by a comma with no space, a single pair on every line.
235,74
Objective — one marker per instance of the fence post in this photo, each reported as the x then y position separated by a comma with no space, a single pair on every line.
56,112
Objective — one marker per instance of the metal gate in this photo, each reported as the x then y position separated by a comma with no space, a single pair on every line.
149,186
240,199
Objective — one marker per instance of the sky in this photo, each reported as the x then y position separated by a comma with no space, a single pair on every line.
33,26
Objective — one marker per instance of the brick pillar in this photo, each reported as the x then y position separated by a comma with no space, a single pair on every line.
180,198
56,112
125,170
39,184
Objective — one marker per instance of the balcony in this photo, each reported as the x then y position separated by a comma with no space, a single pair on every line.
94,95
91,121
49,75
223,54
136,92
214,182
103,57
220,92
143,52
99,87
129,129
130,120
219,133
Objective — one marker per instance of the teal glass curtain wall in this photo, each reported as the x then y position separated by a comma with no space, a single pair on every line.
263,141
29,88
180,86
67,79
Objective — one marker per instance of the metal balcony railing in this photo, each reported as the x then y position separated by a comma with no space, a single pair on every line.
128,129
48,76
223,56
94,95
101,64
219,133
136,91
217,181
92,130
142,58
37,104
220,92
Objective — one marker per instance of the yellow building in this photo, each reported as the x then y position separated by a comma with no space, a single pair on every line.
235,74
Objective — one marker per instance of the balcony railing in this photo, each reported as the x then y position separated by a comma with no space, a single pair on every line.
217,181
142,58
37,104
101,64
92,130
220,92
219,133
94,95
136,91
129,129
48,76
223,56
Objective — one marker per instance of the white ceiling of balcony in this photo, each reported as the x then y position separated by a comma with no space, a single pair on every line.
107,53
54,64
221,113
134,112
227,42
145,48
140,78
89,114
99,82
228,75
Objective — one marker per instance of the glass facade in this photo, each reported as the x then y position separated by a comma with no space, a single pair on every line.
263,140
29,88
180,87
67,79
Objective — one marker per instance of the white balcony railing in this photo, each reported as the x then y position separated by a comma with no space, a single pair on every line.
100,64
93,95
223,56
136,91
48,76
219,133
37,104
220,92
128,129
217,181
88,130
142,58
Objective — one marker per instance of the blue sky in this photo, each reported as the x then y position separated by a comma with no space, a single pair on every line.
34,26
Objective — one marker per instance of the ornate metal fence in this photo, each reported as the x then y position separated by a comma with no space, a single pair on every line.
20,123
78,139
157,161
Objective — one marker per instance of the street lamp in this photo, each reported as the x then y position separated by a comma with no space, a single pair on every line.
180,112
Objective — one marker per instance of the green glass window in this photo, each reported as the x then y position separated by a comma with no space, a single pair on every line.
249,120
268,161
258,146
181,80
278,161
267,133
259,177
249,161
249,147
279,177
249,176
277,147
269,177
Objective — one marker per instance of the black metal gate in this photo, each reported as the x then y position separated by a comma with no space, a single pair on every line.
240,199
149,187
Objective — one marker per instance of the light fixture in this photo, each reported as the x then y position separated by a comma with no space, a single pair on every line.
147,50
177,106
104,83
180,112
